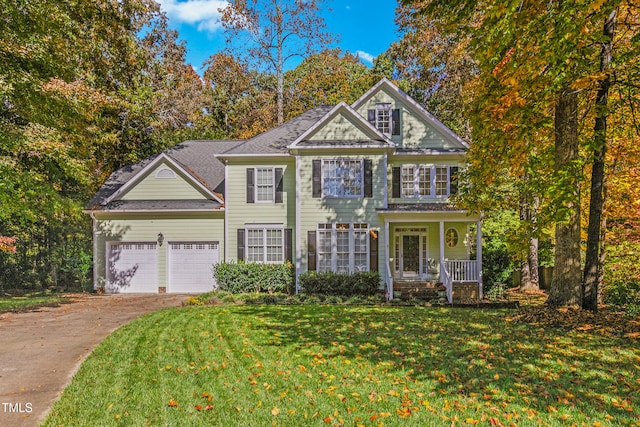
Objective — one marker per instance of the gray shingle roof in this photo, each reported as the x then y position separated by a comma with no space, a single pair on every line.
344,144
162,205
196,157
278,139
419,207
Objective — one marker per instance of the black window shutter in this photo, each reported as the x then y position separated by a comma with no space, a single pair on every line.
250,185
311,251
278,178
368,178
373,250
395,122
240,244
288,244
371,116
317,178
395,182
453,180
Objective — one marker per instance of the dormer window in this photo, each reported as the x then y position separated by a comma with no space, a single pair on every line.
385,119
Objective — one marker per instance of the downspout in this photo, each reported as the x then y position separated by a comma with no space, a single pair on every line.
479,256
95,250
298,225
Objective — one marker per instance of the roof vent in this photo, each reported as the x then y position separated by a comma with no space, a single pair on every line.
165,174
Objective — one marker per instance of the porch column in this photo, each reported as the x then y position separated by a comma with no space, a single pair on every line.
387,269
441,246
479,255
298,226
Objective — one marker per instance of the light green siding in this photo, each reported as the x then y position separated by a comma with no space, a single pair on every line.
340,127
153,188
422,160
352,210
239,213
414,131
139,228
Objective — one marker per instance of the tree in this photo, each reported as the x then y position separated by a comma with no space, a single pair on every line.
592,265
273,32
327,77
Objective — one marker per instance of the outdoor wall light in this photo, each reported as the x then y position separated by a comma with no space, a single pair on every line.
160,238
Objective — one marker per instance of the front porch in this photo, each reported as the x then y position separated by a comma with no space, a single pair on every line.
426,250
460,283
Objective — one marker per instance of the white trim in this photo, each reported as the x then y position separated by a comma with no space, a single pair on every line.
226,220
413,105
273,184
342,160
388,275
264,227
298,224
162,157
342,106
171,173
333,235
423,250
385,165
479,257
95,251
133,211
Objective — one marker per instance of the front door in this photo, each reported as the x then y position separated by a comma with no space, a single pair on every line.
410,255
411,252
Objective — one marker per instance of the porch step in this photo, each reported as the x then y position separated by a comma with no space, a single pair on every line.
421,290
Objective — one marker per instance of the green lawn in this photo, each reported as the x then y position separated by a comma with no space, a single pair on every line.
350,365
30,302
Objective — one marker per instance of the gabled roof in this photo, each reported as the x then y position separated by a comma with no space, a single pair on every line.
277,140
194,158
376,138
387,85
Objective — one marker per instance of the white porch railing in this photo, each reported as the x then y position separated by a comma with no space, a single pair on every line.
446,281
462,270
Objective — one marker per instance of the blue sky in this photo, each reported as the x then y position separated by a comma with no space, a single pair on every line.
363,27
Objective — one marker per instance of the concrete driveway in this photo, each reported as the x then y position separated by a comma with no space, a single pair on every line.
41,350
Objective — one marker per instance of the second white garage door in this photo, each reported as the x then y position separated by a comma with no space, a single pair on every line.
190,266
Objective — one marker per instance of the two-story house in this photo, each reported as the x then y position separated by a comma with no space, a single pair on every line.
345,188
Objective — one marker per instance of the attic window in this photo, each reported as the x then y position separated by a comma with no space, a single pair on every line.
385,119
165,174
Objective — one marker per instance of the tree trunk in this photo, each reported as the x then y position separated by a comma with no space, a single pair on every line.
566,286
596,202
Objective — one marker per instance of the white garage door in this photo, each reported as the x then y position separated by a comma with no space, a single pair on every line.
132,267
190,266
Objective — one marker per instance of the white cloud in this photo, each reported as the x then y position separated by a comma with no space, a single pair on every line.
364,56
204,13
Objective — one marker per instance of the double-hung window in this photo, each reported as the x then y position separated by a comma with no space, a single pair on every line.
342,178
265,188
383,118
264,244
418,181
343,247
264,185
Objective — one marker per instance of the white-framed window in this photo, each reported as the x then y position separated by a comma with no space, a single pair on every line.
442,181
265,185
418,181
383,118
264,243
342,178
343,247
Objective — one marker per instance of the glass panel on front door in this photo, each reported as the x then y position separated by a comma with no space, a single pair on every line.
411,255
410,252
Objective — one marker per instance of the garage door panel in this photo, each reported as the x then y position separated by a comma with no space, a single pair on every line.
191,266
132,267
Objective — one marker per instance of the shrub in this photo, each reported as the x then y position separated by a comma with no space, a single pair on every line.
244,277
329,283
622,272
